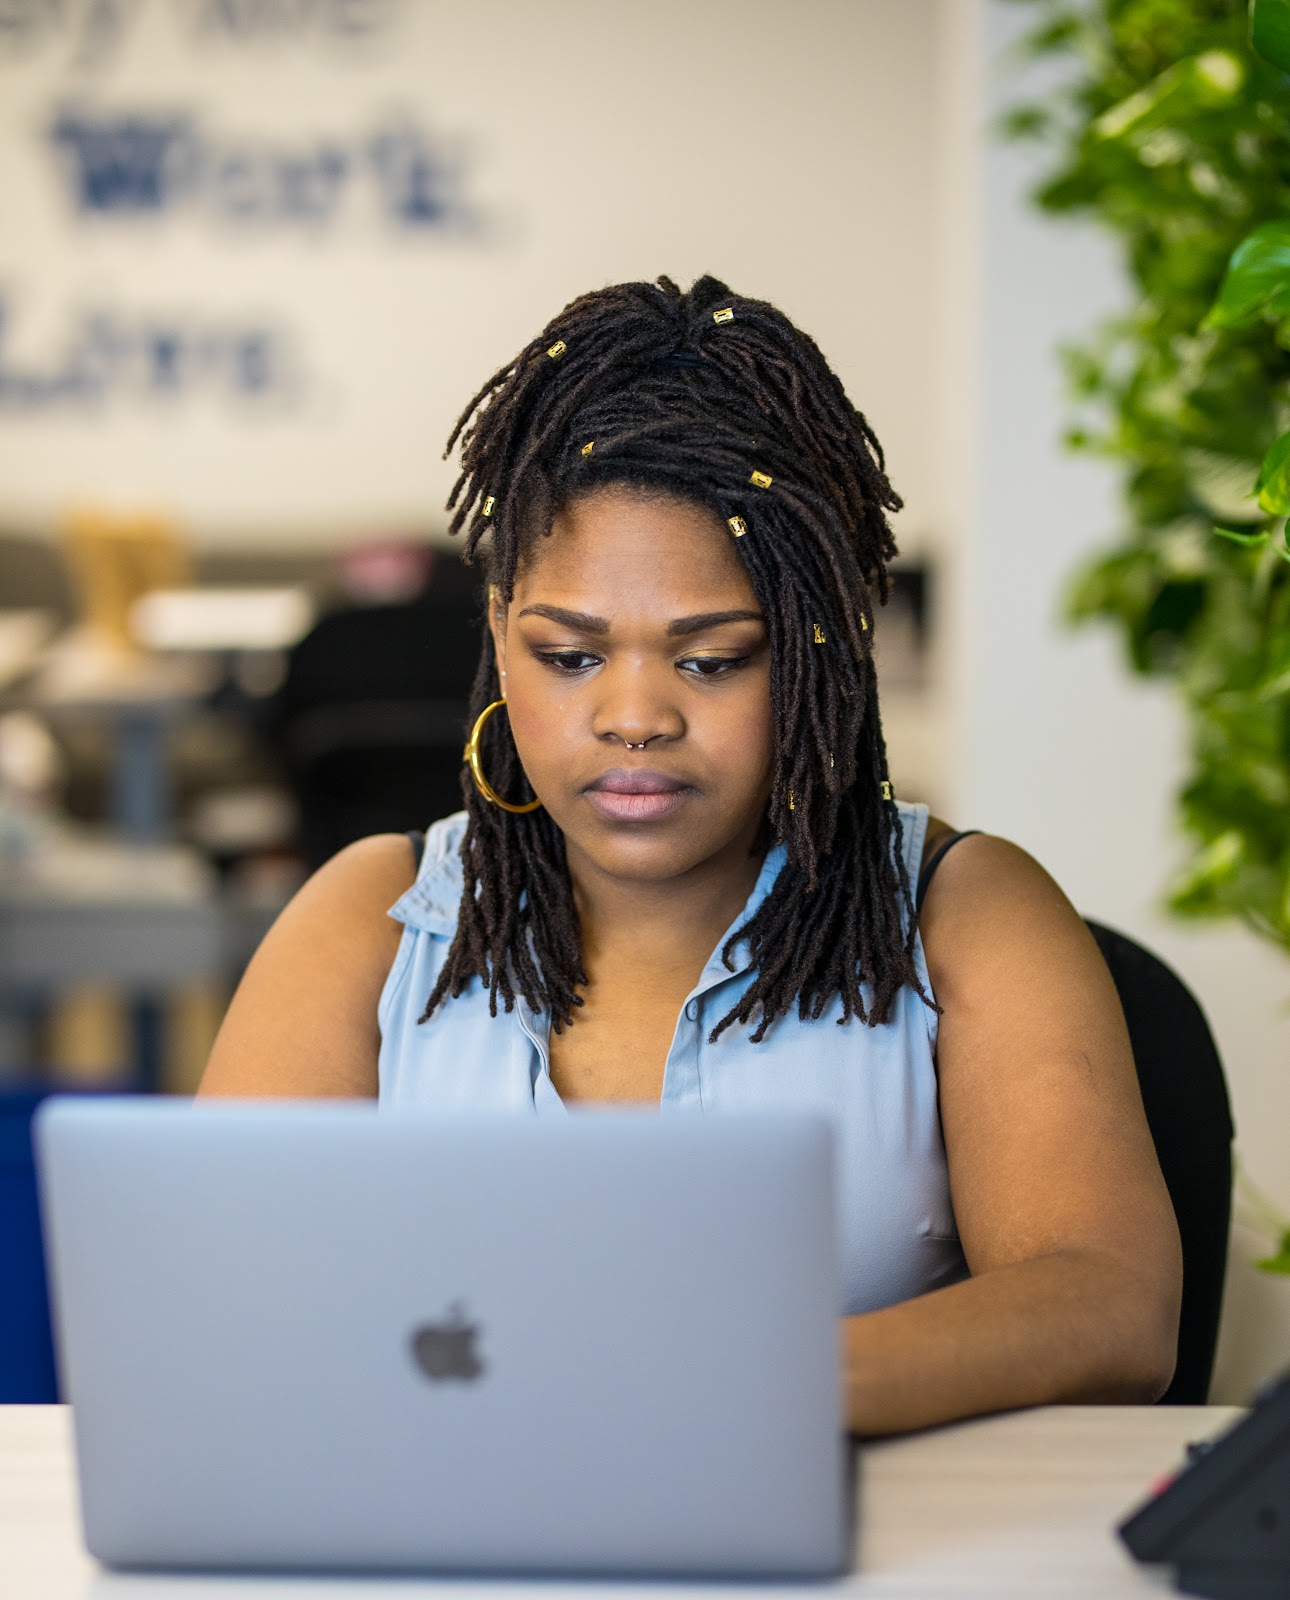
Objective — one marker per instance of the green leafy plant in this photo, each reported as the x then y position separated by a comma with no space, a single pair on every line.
1173,131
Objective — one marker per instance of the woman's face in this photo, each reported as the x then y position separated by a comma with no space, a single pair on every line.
635,625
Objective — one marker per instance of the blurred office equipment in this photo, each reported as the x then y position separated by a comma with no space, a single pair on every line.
901,629
213,714
221,620
98,673
26,1345
1219,1520
118,942
34,576
371,719
911,661
113,561
24,630
145,925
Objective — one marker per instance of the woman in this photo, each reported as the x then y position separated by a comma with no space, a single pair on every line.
682,878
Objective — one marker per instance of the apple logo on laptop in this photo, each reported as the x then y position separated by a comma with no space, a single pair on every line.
447,1349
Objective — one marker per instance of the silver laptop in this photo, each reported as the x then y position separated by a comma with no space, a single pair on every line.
319,1337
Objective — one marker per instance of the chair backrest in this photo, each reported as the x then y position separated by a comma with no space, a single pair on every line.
1185,1095
370,722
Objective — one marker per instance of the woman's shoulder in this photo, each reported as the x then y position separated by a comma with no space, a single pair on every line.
303,1019
367,876
986,898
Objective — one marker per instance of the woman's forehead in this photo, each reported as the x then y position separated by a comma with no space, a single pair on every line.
651,550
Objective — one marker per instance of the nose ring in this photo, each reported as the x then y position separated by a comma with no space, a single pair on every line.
632,746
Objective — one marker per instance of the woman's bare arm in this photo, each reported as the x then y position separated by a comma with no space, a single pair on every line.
303,1020
1063,1214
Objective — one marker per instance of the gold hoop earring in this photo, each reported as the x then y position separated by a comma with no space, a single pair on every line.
471,754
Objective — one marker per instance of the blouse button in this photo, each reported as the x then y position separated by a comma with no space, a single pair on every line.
692,1010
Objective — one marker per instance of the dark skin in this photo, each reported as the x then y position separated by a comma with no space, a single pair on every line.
600,650
1061,1209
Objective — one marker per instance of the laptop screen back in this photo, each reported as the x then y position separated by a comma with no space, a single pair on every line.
322,1337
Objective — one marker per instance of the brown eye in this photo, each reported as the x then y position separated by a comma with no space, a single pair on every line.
568,661
712,666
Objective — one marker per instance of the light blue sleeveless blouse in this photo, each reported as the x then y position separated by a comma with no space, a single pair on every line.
878,1085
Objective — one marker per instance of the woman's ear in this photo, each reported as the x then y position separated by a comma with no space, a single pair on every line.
497,627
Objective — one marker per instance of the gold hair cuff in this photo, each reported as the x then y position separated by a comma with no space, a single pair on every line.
726,314
864,623
588,447
886,790
791,806
737,526
819,633
761,480
489,504
557,349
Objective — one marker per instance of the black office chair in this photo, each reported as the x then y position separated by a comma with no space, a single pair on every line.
1185,1095
370,722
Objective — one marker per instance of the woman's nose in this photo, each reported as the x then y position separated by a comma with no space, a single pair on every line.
637,704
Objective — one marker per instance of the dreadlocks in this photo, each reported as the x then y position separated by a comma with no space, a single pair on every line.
723,402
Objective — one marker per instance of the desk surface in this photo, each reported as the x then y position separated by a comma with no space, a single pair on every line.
1005,1506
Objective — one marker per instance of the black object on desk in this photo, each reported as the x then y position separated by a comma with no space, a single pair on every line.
1224,1519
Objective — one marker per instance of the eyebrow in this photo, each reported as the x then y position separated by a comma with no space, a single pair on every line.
679,627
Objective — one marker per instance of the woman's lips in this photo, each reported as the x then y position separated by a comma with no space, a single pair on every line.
624,795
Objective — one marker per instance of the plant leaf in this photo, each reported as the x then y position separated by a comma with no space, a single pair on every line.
1270,31
1223,484
1273,483
1279,1261
1203,82
1257,280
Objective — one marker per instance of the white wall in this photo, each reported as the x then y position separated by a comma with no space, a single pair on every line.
1057,746
784,148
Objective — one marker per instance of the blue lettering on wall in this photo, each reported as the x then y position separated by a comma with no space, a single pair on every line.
113,356
291,19
94,29
92,33
123,165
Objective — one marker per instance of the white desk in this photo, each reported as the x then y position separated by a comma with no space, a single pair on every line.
1009,1506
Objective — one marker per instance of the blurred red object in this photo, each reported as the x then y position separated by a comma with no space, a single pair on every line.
385,571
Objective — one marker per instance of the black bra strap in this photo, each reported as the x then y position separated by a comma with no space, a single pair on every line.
929,867
417,840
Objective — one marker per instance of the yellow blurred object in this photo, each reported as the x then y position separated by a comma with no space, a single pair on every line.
116,559
88,1041
193,1016
88,1035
